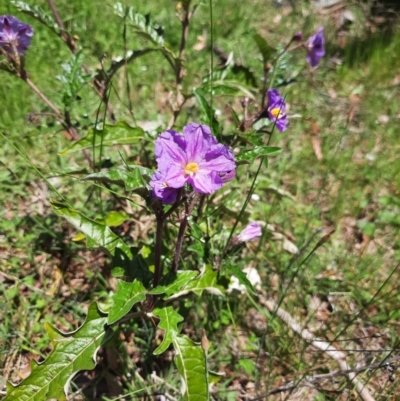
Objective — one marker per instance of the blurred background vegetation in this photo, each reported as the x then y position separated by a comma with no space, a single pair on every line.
339,170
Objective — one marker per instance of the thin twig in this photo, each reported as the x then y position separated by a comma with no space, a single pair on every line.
316,342
44,98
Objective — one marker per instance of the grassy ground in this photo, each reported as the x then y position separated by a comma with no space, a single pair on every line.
339,170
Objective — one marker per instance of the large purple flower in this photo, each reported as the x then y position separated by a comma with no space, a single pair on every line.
14,34
277,110
194,158
316,48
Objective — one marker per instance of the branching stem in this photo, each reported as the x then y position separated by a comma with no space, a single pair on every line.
182,229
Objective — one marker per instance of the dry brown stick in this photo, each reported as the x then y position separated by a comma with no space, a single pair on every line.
316,342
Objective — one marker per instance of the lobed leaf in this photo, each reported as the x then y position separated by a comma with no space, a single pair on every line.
191,362
169,320
173,282
37,13
249,155
73,78
120,133
144,29
127,295
97,234
206,281
72,352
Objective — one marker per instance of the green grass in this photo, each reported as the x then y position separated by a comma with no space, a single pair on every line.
46,277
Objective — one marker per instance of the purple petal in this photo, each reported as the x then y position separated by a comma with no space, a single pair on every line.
274,96
316,48
14,33
198,141
160,189
219,158
252,231
206,182
281,124
276,102
174,176
170,149
227,175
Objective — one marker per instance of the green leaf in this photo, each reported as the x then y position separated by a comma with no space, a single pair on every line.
241,276
96,234
127,295
142,27
169,320
119,134
72,352
248,156
206,281
37,13
235,117
191,362
73,78
132,269
133,178
172,283
208,113
265,49
115,219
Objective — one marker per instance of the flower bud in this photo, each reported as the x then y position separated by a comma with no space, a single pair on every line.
252,231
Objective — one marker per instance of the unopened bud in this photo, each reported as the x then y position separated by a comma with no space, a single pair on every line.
297,37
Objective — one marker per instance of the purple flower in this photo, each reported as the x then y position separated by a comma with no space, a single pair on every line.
252,231
14,34
277,110
194,158
316,48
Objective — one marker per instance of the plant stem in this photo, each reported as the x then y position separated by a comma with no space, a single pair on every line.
65,36
182,230
179,242
185,32
158,248
44,98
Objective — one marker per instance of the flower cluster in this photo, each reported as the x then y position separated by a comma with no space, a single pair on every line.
15,36
194,158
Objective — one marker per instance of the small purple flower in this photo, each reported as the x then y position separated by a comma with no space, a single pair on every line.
194,158
316,48
252,231
277,110
14,34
